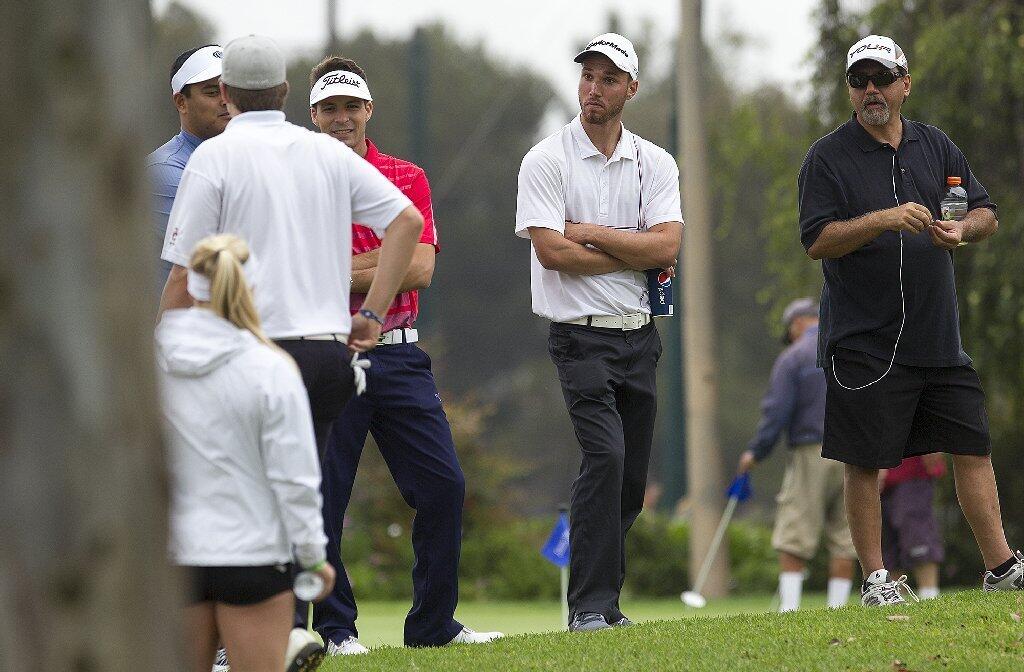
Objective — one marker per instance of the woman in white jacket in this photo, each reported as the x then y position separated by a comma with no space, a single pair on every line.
245,473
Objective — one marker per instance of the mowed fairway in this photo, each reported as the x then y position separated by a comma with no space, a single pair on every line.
962,631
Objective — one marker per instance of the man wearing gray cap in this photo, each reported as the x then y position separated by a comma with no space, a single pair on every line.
600,205
292,195
195,90
811,499
873,208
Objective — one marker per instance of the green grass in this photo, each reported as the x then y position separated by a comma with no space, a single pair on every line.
959,631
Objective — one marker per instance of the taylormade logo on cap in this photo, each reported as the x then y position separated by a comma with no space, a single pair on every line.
616,47
339,83
877,48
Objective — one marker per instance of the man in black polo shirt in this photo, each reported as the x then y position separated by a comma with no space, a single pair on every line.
899,381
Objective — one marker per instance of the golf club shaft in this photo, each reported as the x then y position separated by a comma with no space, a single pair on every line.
705,569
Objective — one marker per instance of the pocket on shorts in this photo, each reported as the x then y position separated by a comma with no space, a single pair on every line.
852,368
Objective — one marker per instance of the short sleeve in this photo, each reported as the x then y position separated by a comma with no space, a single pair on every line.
821,199
194,216
977,195
540,200
375,201
662,201
163,181
419,193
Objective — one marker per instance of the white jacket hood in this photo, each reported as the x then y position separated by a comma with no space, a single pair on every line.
195,341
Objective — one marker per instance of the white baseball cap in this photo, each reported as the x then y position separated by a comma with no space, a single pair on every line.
617,48
877,48
203,64
339,83
253,63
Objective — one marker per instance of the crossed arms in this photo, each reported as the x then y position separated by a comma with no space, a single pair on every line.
592,249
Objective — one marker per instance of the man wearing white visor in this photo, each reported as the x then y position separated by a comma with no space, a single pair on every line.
401,408
292,195
600,206
195,90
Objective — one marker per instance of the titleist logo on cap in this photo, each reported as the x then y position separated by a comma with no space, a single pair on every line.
608,44
341,79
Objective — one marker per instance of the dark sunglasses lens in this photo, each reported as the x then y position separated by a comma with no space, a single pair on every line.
884,78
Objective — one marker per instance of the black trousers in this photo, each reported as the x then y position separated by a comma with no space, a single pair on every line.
328,377
608,378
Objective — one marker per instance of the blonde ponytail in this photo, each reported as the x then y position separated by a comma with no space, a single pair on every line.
219,259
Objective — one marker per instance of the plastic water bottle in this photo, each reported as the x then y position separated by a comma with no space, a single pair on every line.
954,205
308,585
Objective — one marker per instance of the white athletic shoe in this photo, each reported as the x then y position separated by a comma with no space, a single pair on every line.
220,663
879,591
349,646
304,652
1011,580
467,636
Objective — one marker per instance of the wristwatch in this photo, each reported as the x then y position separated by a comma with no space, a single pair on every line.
370,315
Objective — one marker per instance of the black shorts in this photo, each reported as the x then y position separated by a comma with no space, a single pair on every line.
240,585
913,410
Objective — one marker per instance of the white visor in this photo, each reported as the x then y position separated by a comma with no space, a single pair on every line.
339,83
199,285
204,64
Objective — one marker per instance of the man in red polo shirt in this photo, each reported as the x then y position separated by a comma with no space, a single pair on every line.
400,408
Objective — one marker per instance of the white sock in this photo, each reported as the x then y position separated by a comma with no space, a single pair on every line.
838,592
928,592
790,585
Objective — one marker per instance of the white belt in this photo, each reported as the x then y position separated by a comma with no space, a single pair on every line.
623,322
341,338
398,336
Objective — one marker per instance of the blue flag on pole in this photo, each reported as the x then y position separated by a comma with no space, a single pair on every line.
556,550
740,489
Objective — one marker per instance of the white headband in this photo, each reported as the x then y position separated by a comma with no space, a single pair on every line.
204,64
199,284
339,83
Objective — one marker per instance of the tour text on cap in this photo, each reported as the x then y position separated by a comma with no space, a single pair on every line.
877,48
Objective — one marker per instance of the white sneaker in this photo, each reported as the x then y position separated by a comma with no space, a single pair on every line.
220,663
879,591
467,636
1011,580
349,646
304,652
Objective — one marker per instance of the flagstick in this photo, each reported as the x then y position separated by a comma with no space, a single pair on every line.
564,571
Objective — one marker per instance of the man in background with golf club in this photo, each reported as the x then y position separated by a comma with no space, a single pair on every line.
811,499
600,206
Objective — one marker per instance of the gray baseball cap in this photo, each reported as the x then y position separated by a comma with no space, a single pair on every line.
253,62
805,307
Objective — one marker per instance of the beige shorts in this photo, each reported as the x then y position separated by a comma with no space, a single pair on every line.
811,502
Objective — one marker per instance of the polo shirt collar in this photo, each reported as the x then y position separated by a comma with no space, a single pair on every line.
625,149
371,151
259,117
868,143
189,139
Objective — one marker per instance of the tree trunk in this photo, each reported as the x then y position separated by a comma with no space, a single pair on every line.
703,457
84,581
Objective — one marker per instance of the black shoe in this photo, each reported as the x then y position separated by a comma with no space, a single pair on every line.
588,621
622,623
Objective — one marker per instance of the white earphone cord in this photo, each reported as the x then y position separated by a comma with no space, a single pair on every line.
903,304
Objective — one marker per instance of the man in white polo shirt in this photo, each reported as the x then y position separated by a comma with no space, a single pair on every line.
292,195
601,205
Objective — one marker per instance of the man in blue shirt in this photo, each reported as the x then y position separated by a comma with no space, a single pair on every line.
195,89
811,499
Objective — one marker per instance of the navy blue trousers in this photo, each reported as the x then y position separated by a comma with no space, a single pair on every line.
402,410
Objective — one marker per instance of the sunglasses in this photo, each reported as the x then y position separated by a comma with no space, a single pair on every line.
879,79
